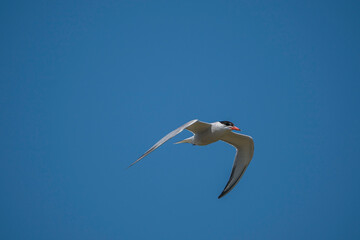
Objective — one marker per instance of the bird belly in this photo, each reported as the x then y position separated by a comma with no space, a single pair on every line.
205,139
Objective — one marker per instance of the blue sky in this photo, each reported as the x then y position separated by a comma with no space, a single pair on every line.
88,86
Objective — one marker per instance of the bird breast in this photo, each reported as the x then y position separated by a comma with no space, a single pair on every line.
209,136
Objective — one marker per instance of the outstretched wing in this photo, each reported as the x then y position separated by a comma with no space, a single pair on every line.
244,152
193,126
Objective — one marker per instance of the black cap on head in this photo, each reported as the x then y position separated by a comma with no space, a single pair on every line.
227,123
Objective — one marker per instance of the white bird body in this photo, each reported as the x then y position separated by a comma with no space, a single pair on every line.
207,133
208,136
212,135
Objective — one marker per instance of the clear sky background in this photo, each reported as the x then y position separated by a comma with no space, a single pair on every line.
86,87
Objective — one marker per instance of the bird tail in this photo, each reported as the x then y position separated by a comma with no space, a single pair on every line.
187,140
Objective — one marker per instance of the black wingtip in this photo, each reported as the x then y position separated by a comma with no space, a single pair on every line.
221,195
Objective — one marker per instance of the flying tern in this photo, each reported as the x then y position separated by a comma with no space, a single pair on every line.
206,133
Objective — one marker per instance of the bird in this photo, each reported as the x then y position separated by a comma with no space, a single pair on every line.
207,133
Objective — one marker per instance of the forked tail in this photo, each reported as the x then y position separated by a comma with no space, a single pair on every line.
187,140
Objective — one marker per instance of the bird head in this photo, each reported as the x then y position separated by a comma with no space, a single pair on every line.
229,125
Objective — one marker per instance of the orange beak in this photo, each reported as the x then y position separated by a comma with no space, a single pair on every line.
235,128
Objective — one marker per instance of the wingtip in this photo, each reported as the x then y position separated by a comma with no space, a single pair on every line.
221,195
134,162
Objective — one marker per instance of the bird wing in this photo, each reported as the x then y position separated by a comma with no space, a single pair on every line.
244,152
198,127
193,126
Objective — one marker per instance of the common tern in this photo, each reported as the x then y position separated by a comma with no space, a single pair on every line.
206,133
